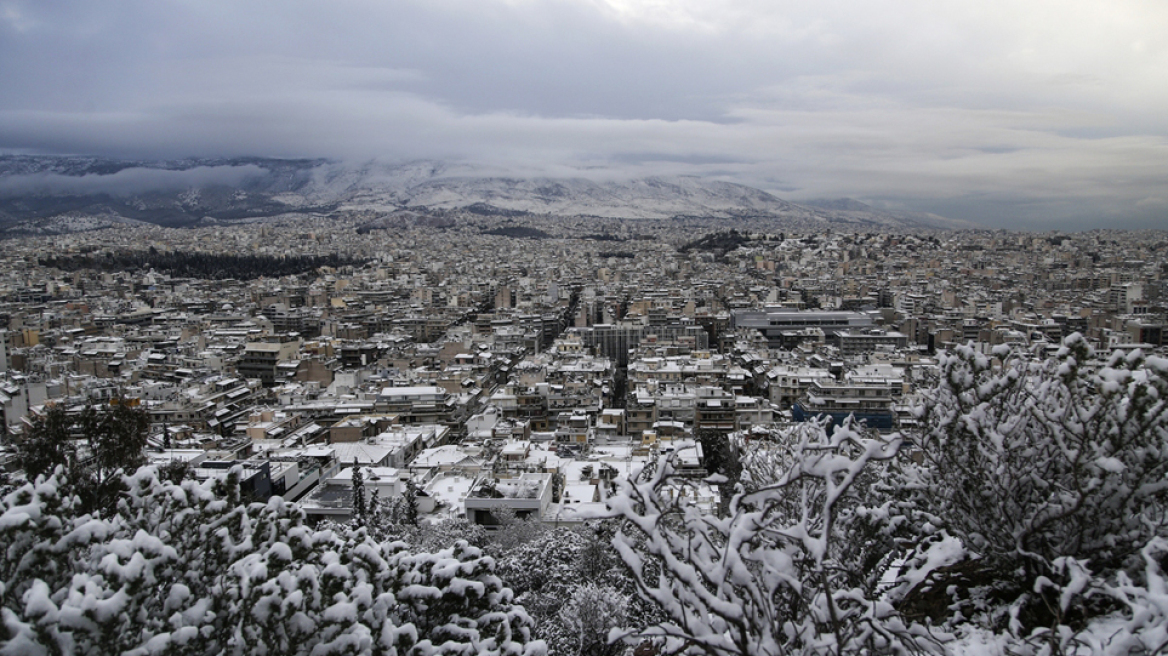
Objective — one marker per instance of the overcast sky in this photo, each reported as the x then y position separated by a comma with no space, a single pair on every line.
1033,113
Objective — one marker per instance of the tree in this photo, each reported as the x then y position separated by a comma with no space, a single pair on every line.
589,615
360,509
396,518
411,503
1038,460
94,448
117,436
513,530
181,569
48,443
175,470
549,574
721,458
775,575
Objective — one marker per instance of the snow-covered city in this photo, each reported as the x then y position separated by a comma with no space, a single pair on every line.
524,434
583,328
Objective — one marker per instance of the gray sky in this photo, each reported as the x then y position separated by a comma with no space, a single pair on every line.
1040,114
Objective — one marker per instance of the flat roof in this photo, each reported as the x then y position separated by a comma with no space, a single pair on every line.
410,391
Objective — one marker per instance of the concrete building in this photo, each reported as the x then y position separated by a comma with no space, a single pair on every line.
260,360
527,497
774,321
715,410
869,403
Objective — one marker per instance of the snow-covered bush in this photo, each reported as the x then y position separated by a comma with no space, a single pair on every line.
1137,625
587,617
549,574
543,573
1144,624
512,530
1038,460
547,563
777,574
186,569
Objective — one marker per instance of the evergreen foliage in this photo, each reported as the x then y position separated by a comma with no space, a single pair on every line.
360,508
93,448
187,569
1033,461
575,588
410,499
776,575
1049,458
720,242
200,265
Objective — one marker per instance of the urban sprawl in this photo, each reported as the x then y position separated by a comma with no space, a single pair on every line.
526,365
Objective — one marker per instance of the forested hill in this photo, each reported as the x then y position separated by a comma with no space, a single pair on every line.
200,265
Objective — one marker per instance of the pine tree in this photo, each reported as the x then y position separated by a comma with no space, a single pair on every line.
114,440
375,505
360,513
411,503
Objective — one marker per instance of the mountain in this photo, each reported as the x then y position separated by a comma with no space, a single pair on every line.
840,204
49,195
647,198
851,208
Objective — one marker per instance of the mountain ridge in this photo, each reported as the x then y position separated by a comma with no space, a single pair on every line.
39,195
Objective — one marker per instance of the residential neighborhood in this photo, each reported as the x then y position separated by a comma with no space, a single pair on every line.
498,372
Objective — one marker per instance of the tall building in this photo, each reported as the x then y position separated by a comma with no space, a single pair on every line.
715,410
260,359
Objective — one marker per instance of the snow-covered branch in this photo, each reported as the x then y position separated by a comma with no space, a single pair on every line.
772,577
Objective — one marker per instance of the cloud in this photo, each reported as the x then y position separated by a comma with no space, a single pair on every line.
128,181
1035,108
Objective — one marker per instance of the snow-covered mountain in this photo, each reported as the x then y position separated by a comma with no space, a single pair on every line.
646,198
844,208
34,190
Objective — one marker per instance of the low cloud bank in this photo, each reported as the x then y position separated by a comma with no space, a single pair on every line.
129,181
